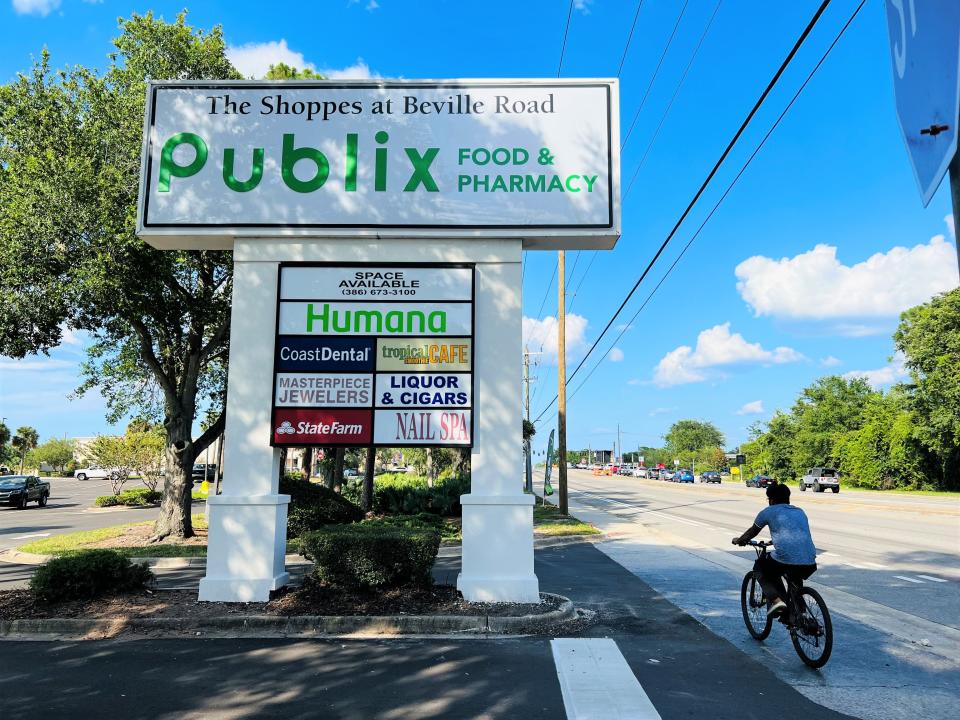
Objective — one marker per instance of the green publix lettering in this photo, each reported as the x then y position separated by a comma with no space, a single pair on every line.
420,163
374,322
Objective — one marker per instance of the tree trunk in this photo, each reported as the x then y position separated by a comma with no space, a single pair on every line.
219,464
431,470
308,462
338,469
175,508
367,498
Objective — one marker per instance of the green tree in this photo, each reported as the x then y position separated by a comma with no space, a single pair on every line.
282,71
831,406
70,144
55,452
23,442
687,437
929,338
6,452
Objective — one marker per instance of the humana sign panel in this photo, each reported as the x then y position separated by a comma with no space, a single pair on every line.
531,159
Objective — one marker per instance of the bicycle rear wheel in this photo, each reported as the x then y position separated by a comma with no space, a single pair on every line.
812,632
754,607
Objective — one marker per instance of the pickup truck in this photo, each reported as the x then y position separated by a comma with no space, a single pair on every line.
821,478
18,490
92,473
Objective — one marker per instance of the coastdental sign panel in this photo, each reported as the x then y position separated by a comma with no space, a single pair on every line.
370,354
536,159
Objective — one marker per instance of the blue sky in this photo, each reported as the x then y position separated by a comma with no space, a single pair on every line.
802,271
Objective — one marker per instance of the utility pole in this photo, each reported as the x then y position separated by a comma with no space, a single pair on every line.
955,197
620,442
562,381
528,464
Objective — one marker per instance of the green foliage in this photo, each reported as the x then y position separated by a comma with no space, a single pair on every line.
24,441
313,506
282,71
406,494
87,574
56,452
137,497
687,437
371,555
529,429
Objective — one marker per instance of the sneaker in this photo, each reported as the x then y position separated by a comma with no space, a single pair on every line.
776,608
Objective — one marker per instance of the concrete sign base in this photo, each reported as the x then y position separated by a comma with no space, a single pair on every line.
247,537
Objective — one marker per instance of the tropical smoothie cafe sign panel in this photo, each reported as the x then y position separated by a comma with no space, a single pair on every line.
374,355
532,159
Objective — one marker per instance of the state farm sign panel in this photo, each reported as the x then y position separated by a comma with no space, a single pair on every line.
374,355
488,158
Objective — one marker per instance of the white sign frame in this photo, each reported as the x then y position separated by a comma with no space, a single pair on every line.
543,236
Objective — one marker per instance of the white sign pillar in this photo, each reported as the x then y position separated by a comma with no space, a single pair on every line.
497,517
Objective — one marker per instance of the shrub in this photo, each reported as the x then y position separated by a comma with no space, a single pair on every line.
405,494
138,497
87,574
372,555
313,506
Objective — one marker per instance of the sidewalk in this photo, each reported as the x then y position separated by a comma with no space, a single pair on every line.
683,668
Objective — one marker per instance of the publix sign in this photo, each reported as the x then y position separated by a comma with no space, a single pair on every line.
374,355
531,159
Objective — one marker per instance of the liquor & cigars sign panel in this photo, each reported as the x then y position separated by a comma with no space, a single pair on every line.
374,355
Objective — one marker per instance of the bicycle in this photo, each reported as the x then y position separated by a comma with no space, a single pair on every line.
806,615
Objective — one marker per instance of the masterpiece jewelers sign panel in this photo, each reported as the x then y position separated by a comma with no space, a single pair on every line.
534,159
374,355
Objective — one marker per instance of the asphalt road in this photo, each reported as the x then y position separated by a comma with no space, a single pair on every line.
70,509
902,551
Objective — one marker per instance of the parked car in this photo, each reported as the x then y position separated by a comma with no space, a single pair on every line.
349,473
821,478
760,481
625,469
202,470
666,474
640,472
684,476
94,472
710,476
18,490
4,470
653,474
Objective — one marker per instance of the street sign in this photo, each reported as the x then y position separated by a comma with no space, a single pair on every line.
925,52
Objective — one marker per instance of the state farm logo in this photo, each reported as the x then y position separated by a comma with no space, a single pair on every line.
286,428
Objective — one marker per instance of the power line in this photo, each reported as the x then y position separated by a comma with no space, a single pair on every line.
653,77
703,186
563,48
726,192
547,292
629,37
676,92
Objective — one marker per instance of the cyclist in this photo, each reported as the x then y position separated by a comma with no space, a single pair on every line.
793,555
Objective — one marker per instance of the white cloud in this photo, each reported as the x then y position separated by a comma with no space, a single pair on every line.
882,377
815,285
35,7
615,354
358,71
372,5
951,227
660,411
751,408
716,346
539,334
583,6
830,361
255,59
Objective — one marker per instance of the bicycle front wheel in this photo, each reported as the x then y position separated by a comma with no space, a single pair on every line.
754,607
812,632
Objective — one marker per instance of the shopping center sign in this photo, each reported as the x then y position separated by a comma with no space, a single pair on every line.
474,158
374,355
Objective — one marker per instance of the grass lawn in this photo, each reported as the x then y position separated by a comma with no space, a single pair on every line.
86,539
547,521
900,491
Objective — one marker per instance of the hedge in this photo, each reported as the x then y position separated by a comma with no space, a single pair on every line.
137,497
313,506
405,494
371,555
87,574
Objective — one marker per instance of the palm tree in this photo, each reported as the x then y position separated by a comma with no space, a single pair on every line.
24,441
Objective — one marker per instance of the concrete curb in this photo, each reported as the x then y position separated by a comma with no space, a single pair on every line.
270,625
163,563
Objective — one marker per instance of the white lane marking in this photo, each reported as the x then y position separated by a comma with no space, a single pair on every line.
24,537
877,566
909,579
656,513
597,683
931,578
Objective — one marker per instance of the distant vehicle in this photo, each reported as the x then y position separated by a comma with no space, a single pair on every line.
653,474
710,476
684,476
94,472
625,469
821,478
581,466
349,473
202,470
18,490
666,474
639,471
4,470
760,481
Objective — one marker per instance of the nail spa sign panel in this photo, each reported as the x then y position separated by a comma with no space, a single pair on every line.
374,355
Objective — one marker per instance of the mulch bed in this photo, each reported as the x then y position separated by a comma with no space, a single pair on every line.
312,598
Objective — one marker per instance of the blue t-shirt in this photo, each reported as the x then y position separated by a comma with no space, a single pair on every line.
790,532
